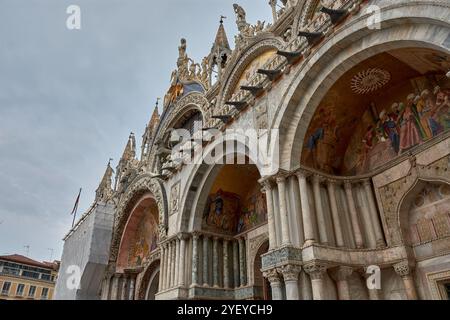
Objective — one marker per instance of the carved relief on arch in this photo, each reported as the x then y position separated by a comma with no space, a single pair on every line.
393,195
140,186
255,244
239,62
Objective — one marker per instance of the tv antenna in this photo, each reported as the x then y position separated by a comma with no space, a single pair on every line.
27,250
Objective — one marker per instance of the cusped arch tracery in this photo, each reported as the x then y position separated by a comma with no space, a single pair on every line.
141,186
393,195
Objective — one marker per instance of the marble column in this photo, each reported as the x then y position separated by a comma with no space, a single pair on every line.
354,215
275,283
181,266
194,260
322,224
242,272
106,288
317,273
340,276
132,287
205,261
374,214
270,215
305,286
335,214
295,216
115,287
236,264
367,221
124,291
177,262
161,272
404,270
226,271
171,263
307,214
285,234
164,266
290,274
216,283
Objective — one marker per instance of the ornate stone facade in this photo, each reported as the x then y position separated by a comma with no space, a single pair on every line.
323,226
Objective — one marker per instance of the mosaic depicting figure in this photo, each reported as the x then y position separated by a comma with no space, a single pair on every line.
221,211
145,241
379,135
321,144
254,211
227,212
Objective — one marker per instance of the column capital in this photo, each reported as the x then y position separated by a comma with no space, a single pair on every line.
317,178
267,184
302,173
196,235
367,182
403,269
316,270
272,275
341,273
183,236
348,185
290,272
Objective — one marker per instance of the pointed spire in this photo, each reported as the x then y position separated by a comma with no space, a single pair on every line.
154,120
221,40
105,190
150,131
130,150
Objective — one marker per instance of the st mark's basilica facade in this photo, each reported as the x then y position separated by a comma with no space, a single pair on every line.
358,94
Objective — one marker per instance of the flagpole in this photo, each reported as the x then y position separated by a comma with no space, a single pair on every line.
75,209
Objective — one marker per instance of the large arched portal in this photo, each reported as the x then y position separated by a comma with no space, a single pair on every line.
140,237
379,110
229,210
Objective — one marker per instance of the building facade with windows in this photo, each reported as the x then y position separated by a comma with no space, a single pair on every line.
347,176
22,278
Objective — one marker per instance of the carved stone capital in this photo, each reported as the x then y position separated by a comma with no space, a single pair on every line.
318,179
341,273
403,269
267,185
290,272
303,174
272,275
316,270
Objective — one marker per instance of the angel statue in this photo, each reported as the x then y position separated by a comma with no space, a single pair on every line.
240,14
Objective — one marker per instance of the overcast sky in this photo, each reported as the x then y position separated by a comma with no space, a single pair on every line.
70,98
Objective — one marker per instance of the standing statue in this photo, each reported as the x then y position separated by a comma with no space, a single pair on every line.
183,61
240,14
